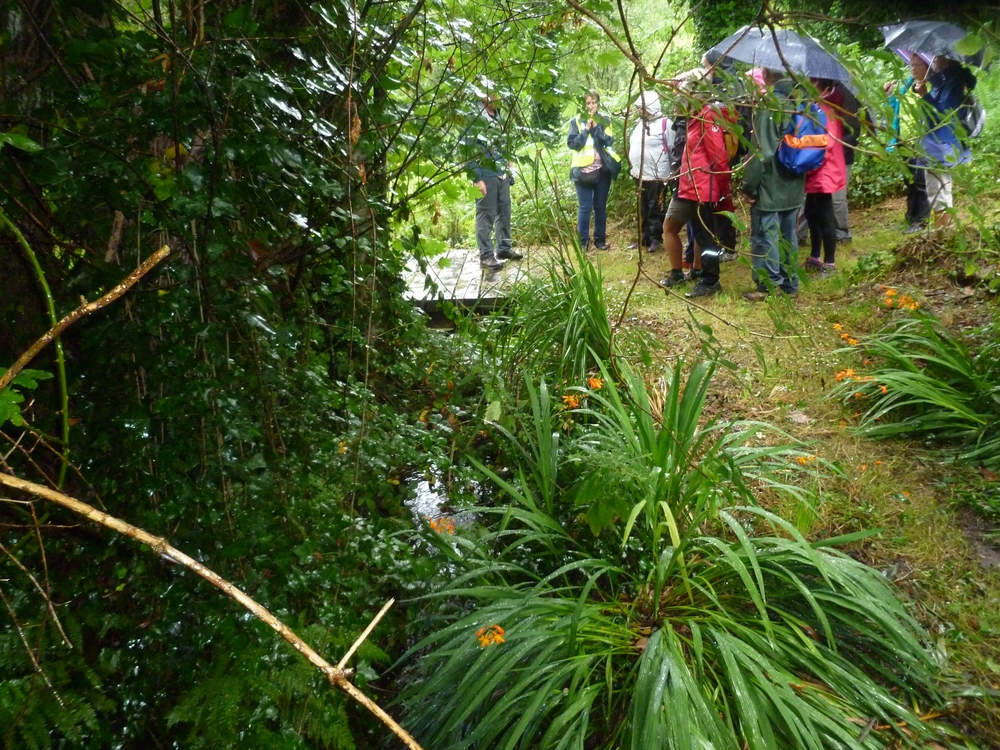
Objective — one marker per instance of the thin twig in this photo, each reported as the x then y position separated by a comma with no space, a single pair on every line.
365,634
160,546
27,647
82,310
42,591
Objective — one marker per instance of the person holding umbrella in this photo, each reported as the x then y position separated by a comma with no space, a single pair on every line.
943,90
948,83
918,210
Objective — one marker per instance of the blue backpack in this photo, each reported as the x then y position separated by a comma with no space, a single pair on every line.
803,147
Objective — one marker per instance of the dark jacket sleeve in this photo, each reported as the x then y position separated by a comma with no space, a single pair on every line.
577,138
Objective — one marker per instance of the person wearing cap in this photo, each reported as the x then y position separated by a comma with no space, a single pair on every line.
492,174
649,155
776,195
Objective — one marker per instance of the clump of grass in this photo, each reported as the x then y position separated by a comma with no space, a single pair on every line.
932,384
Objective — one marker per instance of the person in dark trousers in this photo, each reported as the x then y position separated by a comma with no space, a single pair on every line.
590,140
852,133
492,174
704,180
823,183
649,155
918,209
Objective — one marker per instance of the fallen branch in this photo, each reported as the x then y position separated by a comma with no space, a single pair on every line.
336,675
85,309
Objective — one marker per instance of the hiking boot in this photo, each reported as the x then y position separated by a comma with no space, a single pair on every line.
812,264
634,246
704,290
915,228
757,295
694,274
490,263
509,255
728,256
654,247
602,246
829,269
676,277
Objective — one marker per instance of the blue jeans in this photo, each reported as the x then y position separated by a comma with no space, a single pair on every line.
774,250
593,199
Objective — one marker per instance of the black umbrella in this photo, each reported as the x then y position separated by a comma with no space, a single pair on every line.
782,49
930,38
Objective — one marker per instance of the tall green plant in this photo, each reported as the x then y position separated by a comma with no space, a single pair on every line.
708,622
557,322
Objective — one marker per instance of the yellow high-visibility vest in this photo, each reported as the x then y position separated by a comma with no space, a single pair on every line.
585,156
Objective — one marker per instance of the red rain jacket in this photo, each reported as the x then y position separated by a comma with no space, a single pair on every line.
705,176
832,174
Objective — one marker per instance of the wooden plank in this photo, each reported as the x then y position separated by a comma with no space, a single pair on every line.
456,277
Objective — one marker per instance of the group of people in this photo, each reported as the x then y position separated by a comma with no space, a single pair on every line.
723,124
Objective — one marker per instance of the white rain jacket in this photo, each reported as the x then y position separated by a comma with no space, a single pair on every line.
651,141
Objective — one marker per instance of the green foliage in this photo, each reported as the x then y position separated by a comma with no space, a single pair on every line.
933,384
262,397
703,621
557,323
874,178
11,396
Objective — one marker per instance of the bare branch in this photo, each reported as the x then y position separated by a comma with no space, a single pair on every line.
84,309
160,546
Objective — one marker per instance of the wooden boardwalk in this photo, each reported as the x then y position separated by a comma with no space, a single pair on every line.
456,277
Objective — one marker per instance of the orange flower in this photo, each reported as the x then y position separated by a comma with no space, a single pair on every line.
845,336
890,292
442,525
342,447
571,401
838,327
490,635
884,388
595,383
852,342
805,460
864,468
858,394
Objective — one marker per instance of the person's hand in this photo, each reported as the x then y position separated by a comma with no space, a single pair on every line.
482,187
920,87
888,86
591,124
